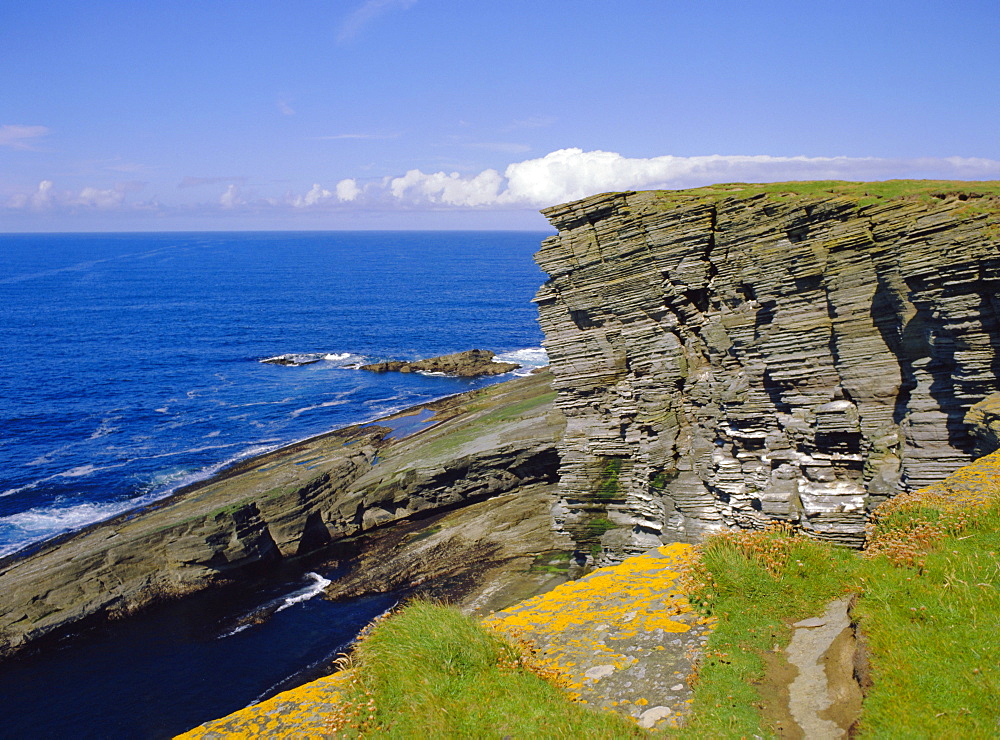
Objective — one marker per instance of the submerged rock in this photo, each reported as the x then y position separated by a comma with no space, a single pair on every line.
733,355
469,364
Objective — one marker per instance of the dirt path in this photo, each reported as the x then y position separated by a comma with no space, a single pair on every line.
810,691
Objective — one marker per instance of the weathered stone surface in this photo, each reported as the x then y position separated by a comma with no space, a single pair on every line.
286,504
729,356
469,364
984,422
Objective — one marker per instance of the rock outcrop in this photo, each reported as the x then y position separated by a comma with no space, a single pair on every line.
984,424
732,355
297,501
469,364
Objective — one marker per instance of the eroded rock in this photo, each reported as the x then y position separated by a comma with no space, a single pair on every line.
726,359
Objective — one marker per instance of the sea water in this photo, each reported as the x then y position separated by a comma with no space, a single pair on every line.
131,365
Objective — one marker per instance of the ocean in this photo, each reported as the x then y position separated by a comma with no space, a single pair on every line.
131,365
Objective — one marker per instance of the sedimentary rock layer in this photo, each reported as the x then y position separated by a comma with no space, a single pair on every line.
732,355
291,503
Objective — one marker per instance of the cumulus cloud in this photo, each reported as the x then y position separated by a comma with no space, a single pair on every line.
367,12
348,190
450,189
42,199
46,198
20,137
232,197
571,174
314,196
103,199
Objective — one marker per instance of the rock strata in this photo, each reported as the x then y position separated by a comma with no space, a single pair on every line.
470,364
291,503
734,355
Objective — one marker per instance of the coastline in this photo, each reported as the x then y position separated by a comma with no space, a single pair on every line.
282,506
227,471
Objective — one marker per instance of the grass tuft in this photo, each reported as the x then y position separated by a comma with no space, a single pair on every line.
430,671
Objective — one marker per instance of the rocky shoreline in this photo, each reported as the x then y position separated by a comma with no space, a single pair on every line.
316,498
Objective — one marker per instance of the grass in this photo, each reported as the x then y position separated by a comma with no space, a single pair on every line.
866,193
756,583
928,584
929,607
429,671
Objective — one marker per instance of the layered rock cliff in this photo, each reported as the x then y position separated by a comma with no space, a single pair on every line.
482,446
737,354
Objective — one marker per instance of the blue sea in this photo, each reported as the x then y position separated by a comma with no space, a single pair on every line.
131,365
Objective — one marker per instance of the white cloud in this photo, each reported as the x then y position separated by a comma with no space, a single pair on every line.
47,198
450,189
348,190
40,200
314,196
285,108
571,174
103,199
367,12
19,137
231,198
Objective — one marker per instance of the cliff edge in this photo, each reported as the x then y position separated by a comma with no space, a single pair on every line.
731,355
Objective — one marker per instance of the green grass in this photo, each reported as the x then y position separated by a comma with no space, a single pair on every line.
429,671
756,584
865,193
929,607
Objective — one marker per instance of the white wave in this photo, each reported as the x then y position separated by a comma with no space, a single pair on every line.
313,589
28,487
105,428
40,523
298,412
529,359
81,471
234,631
338,359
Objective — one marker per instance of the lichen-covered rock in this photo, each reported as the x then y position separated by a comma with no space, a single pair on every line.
732,355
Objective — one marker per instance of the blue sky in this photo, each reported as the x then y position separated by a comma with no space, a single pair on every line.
343,114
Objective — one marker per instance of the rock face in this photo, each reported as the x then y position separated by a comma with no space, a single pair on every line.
984,422
469,364
295,502
733,355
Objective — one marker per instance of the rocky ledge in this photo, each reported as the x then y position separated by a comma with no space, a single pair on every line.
463,499
470,364
732,355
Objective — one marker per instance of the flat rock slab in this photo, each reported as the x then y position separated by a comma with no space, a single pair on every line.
625,635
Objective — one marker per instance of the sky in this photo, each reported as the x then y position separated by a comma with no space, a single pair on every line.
117,115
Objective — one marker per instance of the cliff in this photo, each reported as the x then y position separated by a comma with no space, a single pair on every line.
328,494
731,355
